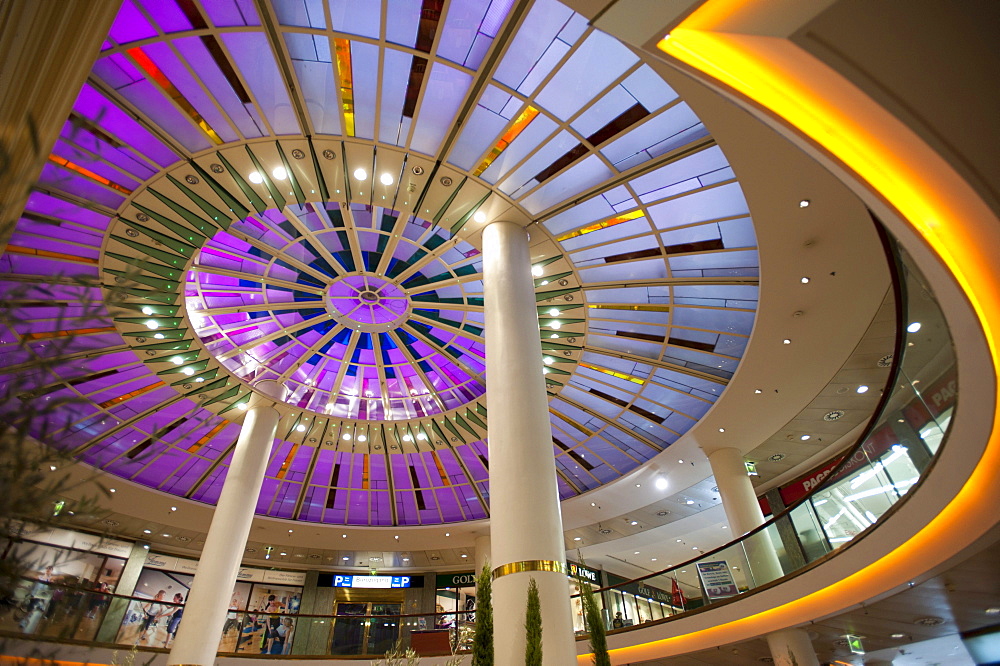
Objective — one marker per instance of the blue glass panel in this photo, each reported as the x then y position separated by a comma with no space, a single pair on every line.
598,62
302,13
546,18
444,93
356,17
711,204
253,56
401,23
656,131
480,133
584,175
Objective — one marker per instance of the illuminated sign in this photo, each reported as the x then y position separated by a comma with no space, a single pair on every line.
373,582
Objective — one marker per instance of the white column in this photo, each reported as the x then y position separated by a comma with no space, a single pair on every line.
482,545
789,647
792,647
208,600
525,520
743,512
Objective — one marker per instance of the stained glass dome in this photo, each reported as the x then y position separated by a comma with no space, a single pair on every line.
298,194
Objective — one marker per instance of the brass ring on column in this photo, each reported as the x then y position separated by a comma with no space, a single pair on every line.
529,565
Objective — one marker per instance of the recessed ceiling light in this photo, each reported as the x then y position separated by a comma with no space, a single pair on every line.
722,430
805,280
147,310
694,547
300,428
553,312
147,531
593,504
346,437
636,553
158,336
898,635
362,438
345,558
360,174
343,536
638,485
804,203
188,371
537,271
406,559
385,179
256,178
173,508
862,389
689,502
913,327
577,538
479,217
447,533
681,461
804,437
634,522
786,341
464,555
757,391
152,324
555,324
993,611
166,536
111,490
242,406
279,173
653,560
679,541
661,483
548,360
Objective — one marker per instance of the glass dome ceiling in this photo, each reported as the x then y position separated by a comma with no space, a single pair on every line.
298,194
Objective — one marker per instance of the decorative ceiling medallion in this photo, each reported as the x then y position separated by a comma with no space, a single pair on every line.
885,361
833,415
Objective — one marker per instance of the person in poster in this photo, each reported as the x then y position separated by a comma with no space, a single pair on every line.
175,619
153,610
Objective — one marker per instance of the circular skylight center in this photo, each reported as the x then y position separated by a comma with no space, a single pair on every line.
367,303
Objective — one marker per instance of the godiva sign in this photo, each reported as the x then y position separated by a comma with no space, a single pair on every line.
466,579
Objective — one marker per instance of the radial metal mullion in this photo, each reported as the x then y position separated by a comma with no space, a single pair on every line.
263,279
260,307
278,254
433,286
383,384
458,330
436,347
351,229
211,468
345,364
420,371
458,307
676,281
613,422
139,116
281,57
656,363
253,344
307,478
301,227
426,259
395,237
309,352
124,424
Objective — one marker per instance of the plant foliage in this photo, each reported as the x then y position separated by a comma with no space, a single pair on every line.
533,627
482,644
595,624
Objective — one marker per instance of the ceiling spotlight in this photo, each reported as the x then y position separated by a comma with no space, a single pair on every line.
548,360
479,217
166,536
279,173
898,635
537,271
343,536
862,389
158,336
152,324
173,508
914,327
757,391
636,553
634,522
360,174
242,406
147,531
300,428
804,203
554,336
553,312
346,437
722,430
256,178
407,438
345,558
577,538
804,437
385,178
447,533
661,483
689,502
555,324
188,371
148,311
786,341
421,436
464,555
593,504
111,490
362,438
805,280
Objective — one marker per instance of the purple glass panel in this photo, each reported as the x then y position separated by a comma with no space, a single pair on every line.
130,25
